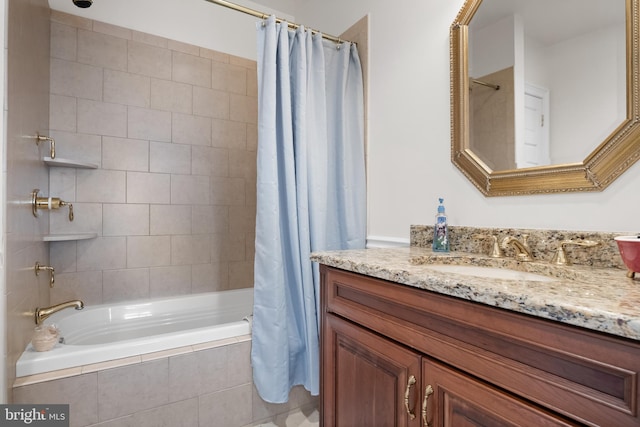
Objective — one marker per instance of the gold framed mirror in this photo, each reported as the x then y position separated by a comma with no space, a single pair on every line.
615,150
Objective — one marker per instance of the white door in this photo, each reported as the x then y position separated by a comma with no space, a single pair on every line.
535,146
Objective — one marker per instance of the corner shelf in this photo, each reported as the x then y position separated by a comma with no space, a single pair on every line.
67,163
68,237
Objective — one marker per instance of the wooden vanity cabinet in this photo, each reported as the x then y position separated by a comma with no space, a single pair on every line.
393,355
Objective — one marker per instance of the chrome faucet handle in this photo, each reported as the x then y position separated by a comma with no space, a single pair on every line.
560,257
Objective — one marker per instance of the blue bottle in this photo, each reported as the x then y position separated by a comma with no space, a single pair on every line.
440,231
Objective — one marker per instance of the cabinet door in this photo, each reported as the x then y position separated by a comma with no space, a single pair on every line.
367,380
452,399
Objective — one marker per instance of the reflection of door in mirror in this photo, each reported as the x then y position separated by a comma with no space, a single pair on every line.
578,56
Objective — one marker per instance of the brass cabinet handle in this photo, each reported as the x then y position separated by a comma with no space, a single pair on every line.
425,411
410,383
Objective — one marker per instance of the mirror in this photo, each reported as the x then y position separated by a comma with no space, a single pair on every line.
544,98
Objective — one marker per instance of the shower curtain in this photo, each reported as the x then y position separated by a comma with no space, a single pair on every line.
311,195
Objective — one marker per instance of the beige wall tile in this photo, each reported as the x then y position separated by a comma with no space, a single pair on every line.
237,193
190,190
210,219
125,285
149,39
236,247
64,41
240,274
214,55
170,281
62,183
220,191
78,146
102,50
84,285
171,96
252,137
62,256
210,103
143,123
149,60
227,134
148,251
209,277
125,220
72,20
238,362
241,164
103,186
210,161
170,219
243,62
229,78
227,408
252,83
242,219
183,413
87,219
193,130
243,109
101,253
62,113
101,118
183,47
113,30
220,247
125,154
130,389
148,188
128,89
190,249
74,79
170,158
79,392
191,69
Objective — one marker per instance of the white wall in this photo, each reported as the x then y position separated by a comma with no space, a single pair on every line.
196,22
409,116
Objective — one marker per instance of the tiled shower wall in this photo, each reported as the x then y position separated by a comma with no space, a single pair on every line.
173,129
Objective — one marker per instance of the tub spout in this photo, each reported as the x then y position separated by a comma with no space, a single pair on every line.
43,313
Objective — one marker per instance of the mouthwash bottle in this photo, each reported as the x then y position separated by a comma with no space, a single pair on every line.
440,231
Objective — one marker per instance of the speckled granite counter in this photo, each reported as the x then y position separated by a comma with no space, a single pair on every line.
601,299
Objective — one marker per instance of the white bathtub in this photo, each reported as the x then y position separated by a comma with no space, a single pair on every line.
107,332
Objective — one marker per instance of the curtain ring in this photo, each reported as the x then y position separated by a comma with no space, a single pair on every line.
338,44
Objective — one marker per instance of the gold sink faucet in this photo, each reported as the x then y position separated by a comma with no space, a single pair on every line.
523,251
43,313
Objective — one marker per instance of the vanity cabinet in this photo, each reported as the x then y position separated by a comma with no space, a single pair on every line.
394,355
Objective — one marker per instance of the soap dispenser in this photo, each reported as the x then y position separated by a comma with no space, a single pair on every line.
440,231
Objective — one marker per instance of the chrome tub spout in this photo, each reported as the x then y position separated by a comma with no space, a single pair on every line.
43,313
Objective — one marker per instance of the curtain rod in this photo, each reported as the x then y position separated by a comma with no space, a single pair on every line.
491,85
262,15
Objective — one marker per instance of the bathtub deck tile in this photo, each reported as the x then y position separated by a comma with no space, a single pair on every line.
109,364
167,353
214,344
47,376
243,338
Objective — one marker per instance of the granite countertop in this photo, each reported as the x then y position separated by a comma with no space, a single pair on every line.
600,299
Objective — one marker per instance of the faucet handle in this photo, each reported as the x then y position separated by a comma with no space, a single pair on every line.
560,257
496,250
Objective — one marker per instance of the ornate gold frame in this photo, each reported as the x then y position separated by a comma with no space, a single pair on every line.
608,161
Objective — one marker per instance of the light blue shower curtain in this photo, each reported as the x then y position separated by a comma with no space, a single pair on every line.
311,195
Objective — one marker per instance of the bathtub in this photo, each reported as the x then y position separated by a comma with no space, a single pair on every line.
107,332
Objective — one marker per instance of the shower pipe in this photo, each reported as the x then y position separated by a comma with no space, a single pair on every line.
262,15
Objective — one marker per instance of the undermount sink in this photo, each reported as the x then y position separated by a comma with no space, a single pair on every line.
490,272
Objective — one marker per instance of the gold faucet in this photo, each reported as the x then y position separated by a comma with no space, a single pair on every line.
43,313
523,252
